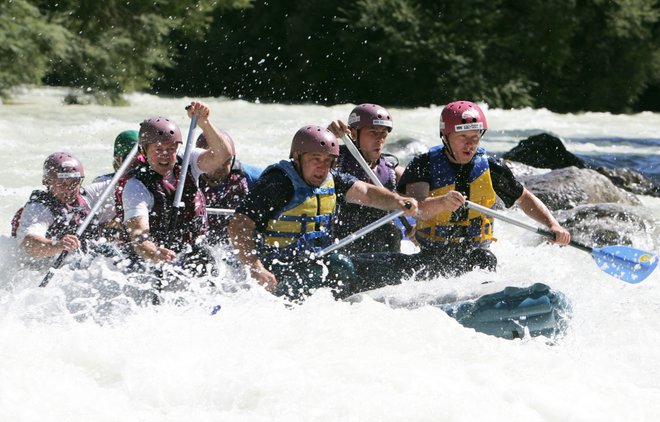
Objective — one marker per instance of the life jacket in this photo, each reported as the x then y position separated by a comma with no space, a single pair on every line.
193,221
351,217
384,170
227,195
305,221
68,217
459,226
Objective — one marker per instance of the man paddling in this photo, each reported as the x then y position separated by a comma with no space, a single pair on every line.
454,238
147,195
369,126
225,187
46,225
124,143
287,216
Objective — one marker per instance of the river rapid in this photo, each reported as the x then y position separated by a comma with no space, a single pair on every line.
79,350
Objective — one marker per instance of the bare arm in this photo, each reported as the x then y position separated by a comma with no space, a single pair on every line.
138,229
430,206
398,172
536,209
42,247
367,194
219,150
241,233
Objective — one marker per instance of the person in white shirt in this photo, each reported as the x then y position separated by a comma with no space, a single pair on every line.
47,224
147,196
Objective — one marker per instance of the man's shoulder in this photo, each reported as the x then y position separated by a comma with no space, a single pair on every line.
134,187
35,207
274,173
420,161
342,176
497,165
103,178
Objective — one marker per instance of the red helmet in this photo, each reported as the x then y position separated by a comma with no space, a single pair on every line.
460,116
62,165
203,143
159,129
369,115
314,139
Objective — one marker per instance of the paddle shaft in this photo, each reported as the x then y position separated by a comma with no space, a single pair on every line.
627,264
81,229
522,224
220,211
178,204
374,179
358,234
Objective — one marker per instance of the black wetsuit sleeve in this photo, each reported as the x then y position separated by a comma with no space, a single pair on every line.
343,182
417,170
506,186
269,194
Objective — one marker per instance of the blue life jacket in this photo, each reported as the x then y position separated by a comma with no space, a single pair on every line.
304,223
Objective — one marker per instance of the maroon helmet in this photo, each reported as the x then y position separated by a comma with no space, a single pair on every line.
460,116
314,138
203,143
62,165
365,115
159,129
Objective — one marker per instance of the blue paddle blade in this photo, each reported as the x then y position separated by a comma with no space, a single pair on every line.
628,264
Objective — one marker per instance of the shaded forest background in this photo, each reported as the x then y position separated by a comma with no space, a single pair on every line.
565,55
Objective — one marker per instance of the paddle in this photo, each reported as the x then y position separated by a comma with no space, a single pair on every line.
178,205
81,229
358,234
625,263
374,179
220,211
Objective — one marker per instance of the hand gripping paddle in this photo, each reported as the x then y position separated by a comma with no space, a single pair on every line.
625,263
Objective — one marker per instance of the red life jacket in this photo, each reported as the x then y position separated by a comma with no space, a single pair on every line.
68,217
193,221
227,195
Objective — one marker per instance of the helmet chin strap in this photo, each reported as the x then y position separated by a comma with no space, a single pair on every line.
448,149
357,144
357,140
297,160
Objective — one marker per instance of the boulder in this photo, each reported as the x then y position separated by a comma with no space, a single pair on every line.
631,181
543,151
521,170
611,224
569,187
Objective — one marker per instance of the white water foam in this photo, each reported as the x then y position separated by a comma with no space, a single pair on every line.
261,360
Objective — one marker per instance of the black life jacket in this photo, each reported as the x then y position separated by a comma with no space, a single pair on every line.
226,195
68,217
193,221
352,217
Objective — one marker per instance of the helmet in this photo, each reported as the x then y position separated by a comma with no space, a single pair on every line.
314,138
369,115
125,142
203,143
460,116
62,165
159,129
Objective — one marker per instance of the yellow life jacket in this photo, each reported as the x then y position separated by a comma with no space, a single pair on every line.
447,226
305,221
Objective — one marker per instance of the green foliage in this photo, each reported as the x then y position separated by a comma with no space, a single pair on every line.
121,46
103,48
27,41
566,55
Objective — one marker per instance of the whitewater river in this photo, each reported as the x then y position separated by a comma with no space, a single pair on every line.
68,353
